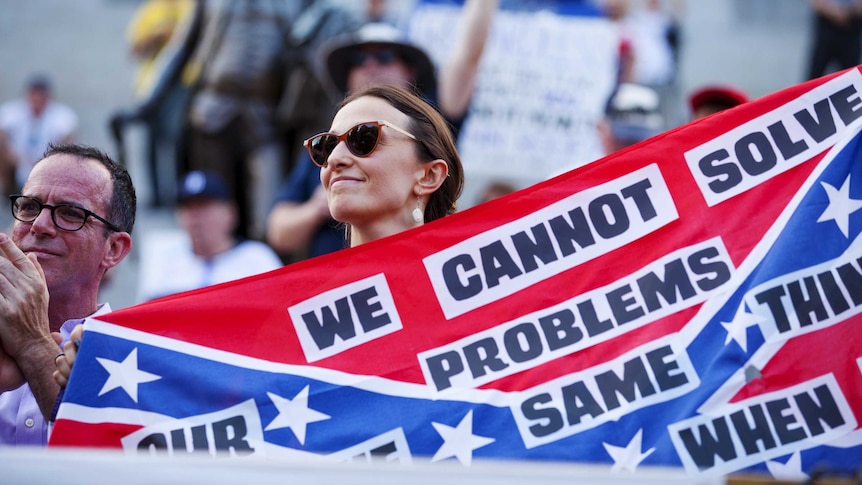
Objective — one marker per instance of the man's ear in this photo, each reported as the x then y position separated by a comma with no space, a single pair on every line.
433,175
119,246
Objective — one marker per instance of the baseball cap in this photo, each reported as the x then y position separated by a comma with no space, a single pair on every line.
634,113
200,184
338,52
717,94
39,81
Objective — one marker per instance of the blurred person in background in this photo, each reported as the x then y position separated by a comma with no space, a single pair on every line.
711,99
300,224
837,41
151,28
241,59
649,46
495,189
32,123
206,251
632,115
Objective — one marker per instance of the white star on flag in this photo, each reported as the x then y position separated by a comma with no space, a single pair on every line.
630,457
294,414
791,471
459,441
737,329
840,206
125,374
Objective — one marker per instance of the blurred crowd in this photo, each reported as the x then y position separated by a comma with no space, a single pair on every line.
228,91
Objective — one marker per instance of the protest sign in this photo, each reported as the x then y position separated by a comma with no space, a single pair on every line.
691,301
543,83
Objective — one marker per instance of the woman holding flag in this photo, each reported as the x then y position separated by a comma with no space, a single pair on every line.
388,164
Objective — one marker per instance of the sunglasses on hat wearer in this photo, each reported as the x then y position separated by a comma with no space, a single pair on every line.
381,56
361,140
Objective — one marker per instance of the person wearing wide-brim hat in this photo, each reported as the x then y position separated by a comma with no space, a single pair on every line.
381,45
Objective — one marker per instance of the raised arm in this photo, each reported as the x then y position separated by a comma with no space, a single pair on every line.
458,75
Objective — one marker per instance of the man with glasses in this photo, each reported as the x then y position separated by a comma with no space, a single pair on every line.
73,222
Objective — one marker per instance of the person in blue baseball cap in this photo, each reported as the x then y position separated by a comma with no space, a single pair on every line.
206,251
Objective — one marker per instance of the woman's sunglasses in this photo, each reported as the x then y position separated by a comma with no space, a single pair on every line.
361,140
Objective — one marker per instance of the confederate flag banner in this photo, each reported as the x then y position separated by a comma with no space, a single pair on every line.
691,301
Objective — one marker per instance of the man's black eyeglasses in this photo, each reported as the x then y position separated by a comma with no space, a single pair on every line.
65,216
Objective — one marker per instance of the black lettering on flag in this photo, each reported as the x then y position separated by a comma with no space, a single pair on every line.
806,302
638,193
833,294
461,289
483,354
700,264
665,285
623,305
725,175
666,371
560,329
755,154
815,298
851,278
772,298
847,104
538,247
705,447
579,402
815,413
443,367
523,343
676,282
820,126
634,381
531,410
642,376
609,216
369,312
569,234
229,436
762,424
155,443
324,330
754,431
786,146
592,323
742,158
497,263
199,439
784,422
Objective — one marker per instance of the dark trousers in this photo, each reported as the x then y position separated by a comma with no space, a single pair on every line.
834,43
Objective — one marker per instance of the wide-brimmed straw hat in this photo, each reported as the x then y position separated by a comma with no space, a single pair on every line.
338,53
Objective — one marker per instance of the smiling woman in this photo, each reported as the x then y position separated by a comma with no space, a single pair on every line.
388,164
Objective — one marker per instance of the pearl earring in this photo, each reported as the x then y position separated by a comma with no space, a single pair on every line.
418,217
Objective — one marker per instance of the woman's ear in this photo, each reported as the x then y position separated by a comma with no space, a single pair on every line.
432,177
